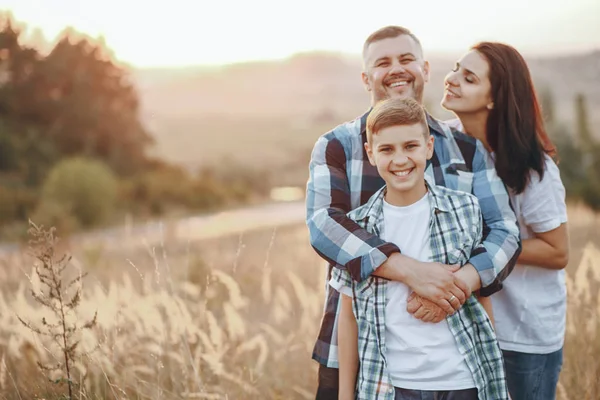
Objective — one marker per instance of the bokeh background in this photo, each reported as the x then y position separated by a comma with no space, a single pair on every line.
168,145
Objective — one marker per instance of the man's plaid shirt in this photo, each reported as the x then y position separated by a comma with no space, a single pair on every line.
342,179
456,232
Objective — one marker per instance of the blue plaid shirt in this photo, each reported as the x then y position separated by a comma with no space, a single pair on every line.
455,233
342,179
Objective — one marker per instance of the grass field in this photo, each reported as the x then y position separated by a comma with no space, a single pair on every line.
228,318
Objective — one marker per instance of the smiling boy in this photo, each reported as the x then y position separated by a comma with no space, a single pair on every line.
398,356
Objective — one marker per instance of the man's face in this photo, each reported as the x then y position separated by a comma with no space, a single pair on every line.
395,67
400,154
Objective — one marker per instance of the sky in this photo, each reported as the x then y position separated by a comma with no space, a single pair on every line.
158,33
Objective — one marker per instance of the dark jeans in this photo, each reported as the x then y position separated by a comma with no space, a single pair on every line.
532,376
329,382
465,394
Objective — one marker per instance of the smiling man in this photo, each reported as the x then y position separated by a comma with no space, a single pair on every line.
342,179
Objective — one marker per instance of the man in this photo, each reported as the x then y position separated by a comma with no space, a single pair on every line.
400,357
341,179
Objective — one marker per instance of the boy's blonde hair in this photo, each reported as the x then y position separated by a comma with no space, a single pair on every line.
394,112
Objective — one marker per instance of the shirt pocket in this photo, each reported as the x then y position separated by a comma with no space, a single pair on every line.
464,177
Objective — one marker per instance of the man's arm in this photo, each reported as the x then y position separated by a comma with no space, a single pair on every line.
344,244
427,311
334,236
495,260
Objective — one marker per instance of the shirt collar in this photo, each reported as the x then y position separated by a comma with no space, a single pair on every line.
373,207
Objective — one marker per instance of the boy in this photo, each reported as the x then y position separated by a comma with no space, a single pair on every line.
398,356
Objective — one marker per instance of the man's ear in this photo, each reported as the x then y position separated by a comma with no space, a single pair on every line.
426,71
365,81
369,151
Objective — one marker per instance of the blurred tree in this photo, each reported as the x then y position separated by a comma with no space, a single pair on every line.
71,100
547,104
77,98
590,154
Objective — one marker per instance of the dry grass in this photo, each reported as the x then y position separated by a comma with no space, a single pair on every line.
234,318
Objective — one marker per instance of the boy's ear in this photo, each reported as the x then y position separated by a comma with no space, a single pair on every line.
430,143
369,151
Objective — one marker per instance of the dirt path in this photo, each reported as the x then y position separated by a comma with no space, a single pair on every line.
197,228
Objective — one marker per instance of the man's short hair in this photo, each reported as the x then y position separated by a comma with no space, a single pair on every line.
390,32
396,112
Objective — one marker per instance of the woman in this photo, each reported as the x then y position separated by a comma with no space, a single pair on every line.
491,92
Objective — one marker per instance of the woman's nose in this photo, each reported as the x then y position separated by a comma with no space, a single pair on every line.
451,79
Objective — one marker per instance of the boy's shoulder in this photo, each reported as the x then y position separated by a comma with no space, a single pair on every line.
372,208
451,198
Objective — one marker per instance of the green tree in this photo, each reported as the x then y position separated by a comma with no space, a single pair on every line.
590,154
83,188
547,104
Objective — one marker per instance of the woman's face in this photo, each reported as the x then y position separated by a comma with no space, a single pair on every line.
467,88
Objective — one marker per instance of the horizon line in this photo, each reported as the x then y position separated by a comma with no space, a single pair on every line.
347,55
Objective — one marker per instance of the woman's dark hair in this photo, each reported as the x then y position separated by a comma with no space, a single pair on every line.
515,127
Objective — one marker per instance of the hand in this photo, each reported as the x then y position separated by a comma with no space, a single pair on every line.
437,283
425,310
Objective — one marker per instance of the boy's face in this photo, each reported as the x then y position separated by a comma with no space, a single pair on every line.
400,154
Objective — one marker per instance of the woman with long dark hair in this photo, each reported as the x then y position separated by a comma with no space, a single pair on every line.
491,92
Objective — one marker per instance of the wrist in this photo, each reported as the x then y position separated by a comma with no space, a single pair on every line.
470,276
399,267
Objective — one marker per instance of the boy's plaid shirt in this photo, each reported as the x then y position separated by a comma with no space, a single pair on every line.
342,179
456,231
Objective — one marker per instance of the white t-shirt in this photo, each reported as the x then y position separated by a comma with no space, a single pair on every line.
420,355
530,311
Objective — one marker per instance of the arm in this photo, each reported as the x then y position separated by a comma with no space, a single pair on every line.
547,250
544,212
348,349
501,240
333,235
427,311
344,244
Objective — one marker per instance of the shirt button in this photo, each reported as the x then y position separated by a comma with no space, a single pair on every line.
391,390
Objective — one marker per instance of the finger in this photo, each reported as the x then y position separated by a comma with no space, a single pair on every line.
413,306
460,296
411,297
445,305
428,317
462,286
455,303
420,313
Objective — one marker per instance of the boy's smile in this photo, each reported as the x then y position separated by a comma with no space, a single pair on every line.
400,154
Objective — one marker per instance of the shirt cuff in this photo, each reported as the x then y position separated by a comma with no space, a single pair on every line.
485,267
337,285
361,268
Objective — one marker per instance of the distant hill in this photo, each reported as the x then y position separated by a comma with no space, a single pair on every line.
187,105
